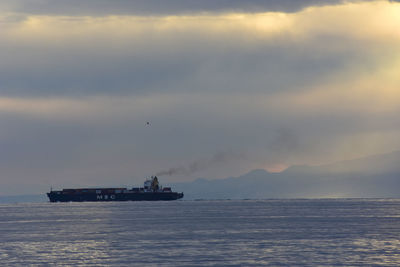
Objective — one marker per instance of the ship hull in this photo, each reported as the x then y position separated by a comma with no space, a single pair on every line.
57,196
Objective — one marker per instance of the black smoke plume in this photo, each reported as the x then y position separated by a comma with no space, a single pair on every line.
203,164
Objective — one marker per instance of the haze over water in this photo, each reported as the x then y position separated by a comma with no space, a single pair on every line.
336,232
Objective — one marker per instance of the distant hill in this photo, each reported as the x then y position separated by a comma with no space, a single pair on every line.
374,176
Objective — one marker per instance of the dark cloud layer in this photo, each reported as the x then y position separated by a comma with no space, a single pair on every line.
160,7
185,68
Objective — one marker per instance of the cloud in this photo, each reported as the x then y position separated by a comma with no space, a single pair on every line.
310,85
155,7
267,52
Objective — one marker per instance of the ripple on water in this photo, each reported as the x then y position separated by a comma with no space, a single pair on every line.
203,233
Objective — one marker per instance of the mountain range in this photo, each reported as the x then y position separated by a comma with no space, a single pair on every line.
375,176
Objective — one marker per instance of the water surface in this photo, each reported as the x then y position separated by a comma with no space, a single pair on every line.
337,232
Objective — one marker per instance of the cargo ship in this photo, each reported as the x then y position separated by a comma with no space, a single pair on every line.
151,191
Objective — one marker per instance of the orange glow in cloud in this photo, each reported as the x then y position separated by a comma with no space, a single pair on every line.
275,168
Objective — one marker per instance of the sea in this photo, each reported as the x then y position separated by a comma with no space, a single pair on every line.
276,232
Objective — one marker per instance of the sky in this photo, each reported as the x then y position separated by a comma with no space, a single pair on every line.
225,86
